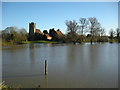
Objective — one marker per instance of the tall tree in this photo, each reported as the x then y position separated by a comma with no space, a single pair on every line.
118,33
112,33
14,35
72,28
83,24
94,26
102,32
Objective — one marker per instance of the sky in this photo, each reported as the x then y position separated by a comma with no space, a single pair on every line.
48,15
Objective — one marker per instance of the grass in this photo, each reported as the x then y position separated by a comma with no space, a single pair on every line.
5,43
4,86
113,41
41,41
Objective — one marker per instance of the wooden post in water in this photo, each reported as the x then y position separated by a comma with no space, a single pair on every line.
46,72
91,41
46,81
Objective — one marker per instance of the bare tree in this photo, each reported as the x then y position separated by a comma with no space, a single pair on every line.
22,31
95,27
118,33
83,24
72,27
102,32
14,35
112,33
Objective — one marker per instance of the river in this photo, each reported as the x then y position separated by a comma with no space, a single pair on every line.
69,66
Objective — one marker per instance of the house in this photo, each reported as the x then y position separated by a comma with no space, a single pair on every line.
35,33
59,33
48,36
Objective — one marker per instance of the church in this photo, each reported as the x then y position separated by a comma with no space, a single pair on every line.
33,32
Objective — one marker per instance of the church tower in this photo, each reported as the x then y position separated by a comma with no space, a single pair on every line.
32,29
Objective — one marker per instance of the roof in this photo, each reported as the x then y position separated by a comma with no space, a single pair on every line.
47,35
59,33
38,31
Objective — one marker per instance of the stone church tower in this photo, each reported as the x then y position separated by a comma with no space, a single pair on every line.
32,29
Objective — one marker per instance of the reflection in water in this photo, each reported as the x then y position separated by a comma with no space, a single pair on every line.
71,55
32,53
46,81
70,66
93,53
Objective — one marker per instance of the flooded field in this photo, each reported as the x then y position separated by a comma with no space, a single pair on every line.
69,66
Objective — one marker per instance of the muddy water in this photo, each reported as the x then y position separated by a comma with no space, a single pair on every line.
69,66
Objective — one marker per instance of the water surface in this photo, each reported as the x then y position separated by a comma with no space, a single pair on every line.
69,66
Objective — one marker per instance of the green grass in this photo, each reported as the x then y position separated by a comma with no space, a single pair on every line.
86,41
5,43
41,41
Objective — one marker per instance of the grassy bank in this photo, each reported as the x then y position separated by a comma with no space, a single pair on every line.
4,43
41,41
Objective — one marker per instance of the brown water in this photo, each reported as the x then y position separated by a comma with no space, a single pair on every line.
69,66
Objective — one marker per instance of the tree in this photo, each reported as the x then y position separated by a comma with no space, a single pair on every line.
112,33
102,32
10,30
9,33
83,24
72,37
72,27
95,27
117,33
14,35
53,34
23,34
45,31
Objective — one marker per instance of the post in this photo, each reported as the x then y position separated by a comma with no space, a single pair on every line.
91,41
46,67
46,81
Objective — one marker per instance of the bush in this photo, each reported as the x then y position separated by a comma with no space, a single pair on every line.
14,35
102,39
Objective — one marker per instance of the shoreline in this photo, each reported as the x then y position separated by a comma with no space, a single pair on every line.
8,44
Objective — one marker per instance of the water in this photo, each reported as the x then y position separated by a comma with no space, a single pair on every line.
69,66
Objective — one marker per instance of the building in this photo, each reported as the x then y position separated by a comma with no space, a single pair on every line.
32,30
48,36
59,33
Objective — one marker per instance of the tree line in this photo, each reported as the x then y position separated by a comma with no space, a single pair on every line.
86,30
89,29
13,35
